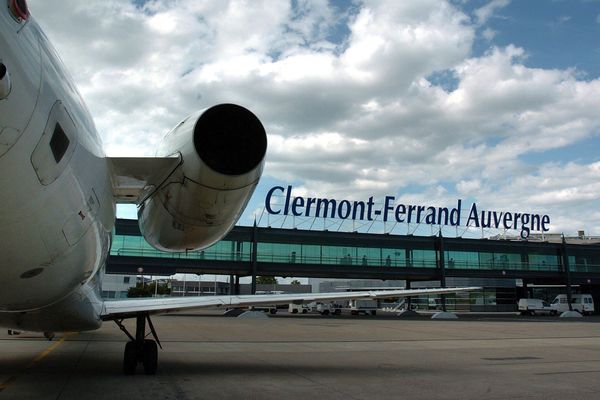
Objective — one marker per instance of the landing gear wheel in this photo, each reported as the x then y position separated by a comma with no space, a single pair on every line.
130,358
150,357
139,349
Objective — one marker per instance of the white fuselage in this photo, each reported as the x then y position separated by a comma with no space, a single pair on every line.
56,203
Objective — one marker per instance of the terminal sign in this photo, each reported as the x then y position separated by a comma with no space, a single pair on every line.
403,213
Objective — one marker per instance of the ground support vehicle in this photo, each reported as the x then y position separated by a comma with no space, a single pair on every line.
536,306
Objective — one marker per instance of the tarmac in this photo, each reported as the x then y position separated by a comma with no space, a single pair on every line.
207,356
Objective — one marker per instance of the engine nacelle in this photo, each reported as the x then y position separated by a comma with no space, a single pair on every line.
222,151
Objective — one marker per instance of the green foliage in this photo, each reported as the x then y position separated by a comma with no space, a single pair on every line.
295,282
266,280
143,290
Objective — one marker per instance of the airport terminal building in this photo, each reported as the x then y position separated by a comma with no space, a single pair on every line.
507,269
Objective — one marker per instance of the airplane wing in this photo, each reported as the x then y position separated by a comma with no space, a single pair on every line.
134,177
117,309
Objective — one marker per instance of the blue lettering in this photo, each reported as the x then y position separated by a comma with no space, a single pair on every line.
442,216
370,204
356,210
389,200
298,202
430,217
455,214
357,205
473,216
268,199
400,210
497,219
545,220
507,220
411,208
343,214
325,203
535,222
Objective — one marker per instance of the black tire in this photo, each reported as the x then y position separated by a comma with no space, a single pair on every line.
325,312
150,357
129,358
373,313
295,311
532,312
304,311
273,311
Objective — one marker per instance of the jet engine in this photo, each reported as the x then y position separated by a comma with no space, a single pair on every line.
222,151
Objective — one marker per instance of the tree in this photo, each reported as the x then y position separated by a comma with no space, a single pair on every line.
142,290
266,280
295,282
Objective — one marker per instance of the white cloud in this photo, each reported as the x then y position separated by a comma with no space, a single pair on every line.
484,13
488,34
352,116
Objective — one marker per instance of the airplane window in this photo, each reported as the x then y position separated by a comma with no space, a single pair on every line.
59,143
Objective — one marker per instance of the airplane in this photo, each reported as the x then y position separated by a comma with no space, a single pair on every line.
59,192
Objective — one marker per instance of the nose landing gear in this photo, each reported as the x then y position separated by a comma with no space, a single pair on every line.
140,350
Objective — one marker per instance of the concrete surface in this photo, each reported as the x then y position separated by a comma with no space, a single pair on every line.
207,356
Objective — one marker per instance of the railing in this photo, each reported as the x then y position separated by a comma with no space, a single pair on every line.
585,268
190,255
343,260
353,261
502,265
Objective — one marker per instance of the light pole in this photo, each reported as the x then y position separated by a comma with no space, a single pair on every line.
140,270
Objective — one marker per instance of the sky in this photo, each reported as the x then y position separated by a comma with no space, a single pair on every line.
494,102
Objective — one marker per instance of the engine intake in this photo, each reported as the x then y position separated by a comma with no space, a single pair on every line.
230,139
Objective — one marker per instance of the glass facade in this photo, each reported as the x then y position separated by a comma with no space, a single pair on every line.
502,261
136,246
373,251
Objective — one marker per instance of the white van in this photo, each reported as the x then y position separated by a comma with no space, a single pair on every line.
536,306
584,303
